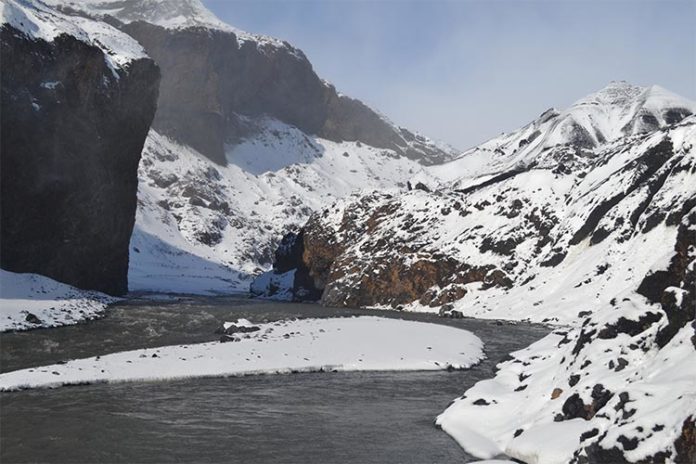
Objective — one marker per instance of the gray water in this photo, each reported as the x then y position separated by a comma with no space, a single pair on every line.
345,417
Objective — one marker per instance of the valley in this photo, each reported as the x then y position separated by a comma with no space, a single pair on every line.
210,251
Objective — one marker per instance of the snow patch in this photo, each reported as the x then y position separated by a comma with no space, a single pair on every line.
40,22
205,228
339,344
29,301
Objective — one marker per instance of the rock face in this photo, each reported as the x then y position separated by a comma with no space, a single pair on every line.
522,223
215,227
674,288
209,77
212,80
585,224
215,77
74,121
247,141
383,272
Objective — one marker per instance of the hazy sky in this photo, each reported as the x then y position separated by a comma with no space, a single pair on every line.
464,71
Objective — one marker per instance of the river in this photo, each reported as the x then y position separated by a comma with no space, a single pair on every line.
347,417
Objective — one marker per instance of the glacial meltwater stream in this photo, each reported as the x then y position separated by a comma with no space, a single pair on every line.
348,417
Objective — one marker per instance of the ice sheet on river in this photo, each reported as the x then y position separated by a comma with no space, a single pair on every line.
337,344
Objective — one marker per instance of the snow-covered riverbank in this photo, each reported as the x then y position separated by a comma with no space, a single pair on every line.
340,344
595,392
30,301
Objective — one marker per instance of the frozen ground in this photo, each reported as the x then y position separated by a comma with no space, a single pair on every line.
205,229
29,301
547,390
339,344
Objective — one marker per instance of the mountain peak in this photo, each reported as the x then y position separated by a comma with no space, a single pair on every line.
618,110
165,13
621,109
169,14
616,93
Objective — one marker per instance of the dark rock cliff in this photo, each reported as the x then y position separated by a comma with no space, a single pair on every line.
72,134
212,81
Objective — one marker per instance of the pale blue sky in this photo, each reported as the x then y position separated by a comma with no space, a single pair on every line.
464,71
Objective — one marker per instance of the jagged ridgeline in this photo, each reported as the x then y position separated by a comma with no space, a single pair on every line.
214,75
526,213
584,217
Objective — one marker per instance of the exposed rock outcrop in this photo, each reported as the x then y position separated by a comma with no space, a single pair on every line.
74,120
674,288
525,228
278,141
212,79
594,230
342,256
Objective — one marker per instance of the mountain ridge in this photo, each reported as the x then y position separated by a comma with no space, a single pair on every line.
595,238
242,74
208,203
590,123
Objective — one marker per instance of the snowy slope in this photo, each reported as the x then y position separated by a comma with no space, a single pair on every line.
598,237
533,245
29,301
618,110
170,14
210,227
606,400
165,13
619,388
38,21
203,228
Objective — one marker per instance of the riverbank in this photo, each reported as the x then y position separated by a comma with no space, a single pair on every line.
384,417
32,301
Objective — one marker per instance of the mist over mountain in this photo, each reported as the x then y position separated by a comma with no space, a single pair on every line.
153,152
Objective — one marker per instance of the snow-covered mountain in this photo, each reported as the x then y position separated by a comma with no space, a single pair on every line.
584,218
202,227
595,233
166,13
215,76
247,141
617,111
515,210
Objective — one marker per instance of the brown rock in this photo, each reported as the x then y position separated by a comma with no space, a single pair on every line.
686,443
